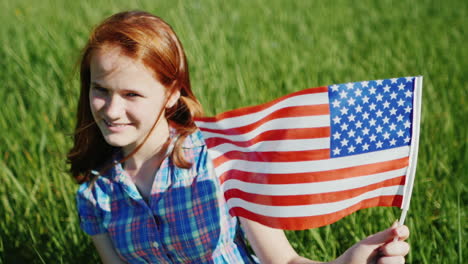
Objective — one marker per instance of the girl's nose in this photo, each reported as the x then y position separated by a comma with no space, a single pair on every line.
114,107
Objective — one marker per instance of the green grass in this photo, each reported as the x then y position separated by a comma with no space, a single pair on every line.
240,53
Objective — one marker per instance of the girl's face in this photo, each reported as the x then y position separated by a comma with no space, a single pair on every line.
125,99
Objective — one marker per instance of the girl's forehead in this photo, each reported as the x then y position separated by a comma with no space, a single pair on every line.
110,59
112,66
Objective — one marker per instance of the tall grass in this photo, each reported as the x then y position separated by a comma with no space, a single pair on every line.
240,53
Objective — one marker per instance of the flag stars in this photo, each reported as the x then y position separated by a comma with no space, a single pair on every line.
399,118
386,135
365,115
343,94
358,124
334,88
408,109
358,109
358,92
407,124
365,147
408,93
344,142
336,151
400,102
379,97
365,131
359,140
336,103
379,144
371,115
336,120
365,99
336,135
344,111
400,133
379,113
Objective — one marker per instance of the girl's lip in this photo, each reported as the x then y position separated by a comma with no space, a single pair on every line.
115,124
116,127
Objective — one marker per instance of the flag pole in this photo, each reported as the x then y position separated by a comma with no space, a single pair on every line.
414,149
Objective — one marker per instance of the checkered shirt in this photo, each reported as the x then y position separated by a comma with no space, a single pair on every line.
185,220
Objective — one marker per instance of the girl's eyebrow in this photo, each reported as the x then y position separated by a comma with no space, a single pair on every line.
96,84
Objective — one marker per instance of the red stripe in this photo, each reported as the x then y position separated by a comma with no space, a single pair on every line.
270,135
307,222
273,156
258,108
325,197
287,112
318,176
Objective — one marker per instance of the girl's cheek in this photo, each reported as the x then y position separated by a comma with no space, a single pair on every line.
97,103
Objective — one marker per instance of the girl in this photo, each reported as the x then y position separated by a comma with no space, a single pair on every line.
148,193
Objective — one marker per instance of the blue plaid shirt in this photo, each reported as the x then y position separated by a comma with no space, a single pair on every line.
185,220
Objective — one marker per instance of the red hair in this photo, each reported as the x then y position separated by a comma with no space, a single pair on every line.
147,39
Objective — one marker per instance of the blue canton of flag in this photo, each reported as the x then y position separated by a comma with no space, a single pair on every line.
370,116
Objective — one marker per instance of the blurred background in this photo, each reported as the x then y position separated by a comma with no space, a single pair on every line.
240,53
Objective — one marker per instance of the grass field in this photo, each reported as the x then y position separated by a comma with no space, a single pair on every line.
240,53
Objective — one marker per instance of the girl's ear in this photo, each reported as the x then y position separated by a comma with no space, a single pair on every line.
173,99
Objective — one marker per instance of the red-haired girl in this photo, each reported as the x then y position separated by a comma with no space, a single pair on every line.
148,193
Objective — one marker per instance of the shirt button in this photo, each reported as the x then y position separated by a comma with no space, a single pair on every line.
155,244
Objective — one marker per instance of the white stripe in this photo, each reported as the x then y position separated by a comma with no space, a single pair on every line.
275,124
314,165
313,187
300,100
314,209
273,145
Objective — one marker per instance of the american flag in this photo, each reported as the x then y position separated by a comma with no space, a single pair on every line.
312,157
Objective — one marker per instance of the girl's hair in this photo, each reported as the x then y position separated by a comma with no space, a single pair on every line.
148,39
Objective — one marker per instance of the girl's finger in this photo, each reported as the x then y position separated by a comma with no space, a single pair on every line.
391,260
398,248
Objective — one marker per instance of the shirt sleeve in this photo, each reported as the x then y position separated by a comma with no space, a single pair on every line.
89,213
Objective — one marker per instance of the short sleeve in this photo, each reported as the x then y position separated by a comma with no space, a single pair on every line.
89,213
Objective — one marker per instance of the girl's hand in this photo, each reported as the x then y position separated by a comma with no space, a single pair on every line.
379,248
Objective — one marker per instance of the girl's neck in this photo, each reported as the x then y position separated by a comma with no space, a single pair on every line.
152,151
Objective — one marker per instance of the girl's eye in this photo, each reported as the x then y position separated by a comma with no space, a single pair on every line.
132,94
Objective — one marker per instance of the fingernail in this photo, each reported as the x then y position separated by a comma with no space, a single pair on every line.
399,231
